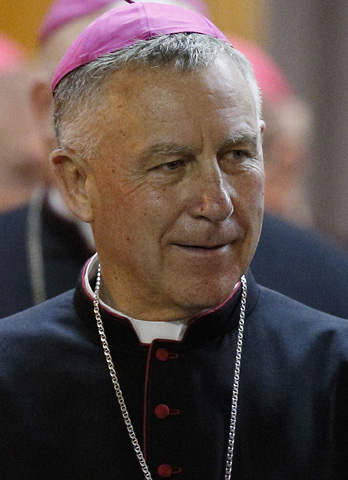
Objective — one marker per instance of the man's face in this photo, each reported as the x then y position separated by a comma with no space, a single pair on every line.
177,188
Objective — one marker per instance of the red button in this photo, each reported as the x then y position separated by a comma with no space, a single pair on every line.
165,471
162,411
162,354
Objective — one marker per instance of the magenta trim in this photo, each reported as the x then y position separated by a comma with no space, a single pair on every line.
147,375
203,314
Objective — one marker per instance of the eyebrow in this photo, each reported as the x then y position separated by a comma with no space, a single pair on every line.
168,149
247,136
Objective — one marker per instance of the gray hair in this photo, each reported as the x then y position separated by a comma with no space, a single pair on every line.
81,90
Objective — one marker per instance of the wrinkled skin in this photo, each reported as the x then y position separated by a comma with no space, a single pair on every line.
175,194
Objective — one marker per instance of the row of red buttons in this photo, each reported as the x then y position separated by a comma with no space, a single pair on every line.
162,411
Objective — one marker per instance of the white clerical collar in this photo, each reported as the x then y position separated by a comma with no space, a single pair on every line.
147,331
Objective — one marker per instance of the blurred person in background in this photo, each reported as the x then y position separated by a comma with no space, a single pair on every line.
286,140
21,150
45,245
291,257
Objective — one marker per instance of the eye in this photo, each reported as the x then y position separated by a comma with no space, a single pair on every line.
236,159
240,154
174,165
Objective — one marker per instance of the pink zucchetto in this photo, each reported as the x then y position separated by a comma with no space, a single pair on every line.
63,12
123,26
11,54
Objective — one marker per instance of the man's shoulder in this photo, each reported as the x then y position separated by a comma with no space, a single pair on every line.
283,313
298,339
40,345
40,319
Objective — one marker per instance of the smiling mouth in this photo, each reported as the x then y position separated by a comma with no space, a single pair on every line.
201,247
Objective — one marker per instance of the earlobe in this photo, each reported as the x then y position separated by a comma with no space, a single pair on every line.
72,179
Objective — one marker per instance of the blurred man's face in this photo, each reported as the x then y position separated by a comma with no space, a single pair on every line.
176,190
22,154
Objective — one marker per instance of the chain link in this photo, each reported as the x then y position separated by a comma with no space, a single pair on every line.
121,400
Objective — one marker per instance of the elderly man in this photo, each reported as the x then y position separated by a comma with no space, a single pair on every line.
139,372
44,246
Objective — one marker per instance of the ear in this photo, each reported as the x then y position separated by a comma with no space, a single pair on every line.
73,181
262,127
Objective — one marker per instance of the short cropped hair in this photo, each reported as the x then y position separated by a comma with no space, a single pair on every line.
81,90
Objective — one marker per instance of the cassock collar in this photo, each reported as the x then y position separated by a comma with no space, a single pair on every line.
201,328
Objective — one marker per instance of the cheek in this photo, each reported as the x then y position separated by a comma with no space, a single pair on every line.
257,190
249,211
250,193
127,213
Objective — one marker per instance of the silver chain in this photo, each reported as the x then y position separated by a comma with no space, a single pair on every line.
34,247
121,400
235,391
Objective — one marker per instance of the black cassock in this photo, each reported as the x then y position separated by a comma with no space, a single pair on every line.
60,419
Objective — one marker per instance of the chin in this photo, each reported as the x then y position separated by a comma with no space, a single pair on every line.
204,297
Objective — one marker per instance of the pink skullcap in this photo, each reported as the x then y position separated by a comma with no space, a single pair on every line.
269,76
65,11
11,54
123,26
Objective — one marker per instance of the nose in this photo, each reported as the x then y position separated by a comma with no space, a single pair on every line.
212,196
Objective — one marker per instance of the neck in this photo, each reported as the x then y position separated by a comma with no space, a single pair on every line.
141,312
135,308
